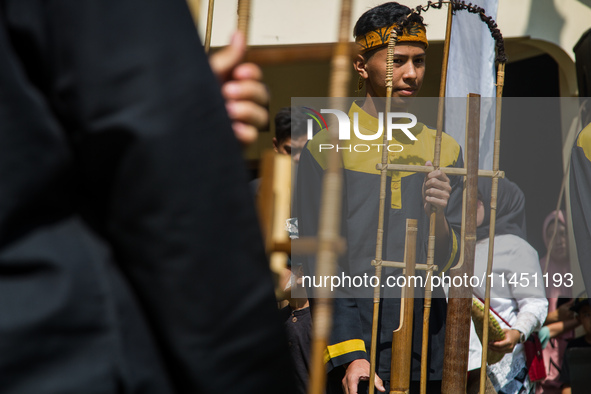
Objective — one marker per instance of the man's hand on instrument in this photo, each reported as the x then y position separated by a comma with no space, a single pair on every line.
508,344
356,372
436,190
246,96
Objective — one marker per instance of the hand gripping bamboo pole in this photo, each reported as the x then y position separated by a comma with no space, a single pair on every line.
457,332
330,213
381,212
402,336
493,221
433,216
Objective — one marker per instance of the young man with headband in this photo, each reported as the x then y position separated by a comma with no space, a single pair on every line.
409,195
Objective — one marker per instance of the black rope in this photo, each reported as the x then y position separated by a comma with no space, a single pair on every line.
459,6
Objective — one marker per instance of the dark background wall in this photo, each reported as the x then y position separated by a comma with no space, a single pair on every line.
531,142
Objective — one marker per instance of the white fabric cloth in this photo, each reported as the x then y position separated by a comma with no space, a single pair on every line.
523,307
471,69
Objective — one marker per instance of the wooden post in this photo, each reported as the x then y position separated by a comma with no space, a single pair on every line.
459,305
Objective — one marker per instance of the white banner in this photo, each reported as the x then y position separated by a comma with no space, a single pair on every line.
471,69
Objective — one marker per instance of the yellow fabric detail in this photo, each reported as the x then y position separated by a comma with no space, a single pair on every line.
352,345
380,37
454,252
584,141
396,191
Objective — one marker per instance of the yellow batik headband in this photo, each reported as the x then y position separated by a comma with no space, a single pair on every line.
380,37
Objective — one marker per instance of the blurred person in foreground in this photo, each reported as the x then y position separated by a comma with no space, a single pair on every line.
121,180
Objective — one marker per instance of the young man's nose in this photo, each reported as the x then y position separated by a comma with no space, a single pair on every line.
410,71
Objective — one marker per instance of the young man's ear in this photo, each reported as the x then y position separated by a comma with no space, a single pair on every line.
359,64
275,145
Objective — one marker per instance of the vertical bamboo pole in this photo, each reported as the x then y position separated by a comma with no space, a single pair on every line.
209,26
381,213
457,332
244,18
432,218
493,221
330,213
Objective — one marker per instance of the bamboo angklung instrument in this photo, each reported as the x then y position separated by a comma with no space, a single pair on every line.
457,335
330,212
495,173
382,208
208,27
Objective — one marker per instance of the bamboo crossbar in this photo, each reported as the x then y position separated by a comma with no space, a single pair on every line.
445,170
309,245
400,264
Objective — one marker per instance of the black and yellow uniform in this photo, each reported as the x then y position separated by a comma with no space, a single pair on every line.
580,192
353,314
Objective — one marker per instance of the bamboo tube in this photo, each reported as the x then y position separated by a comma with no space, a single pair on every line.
445,170
433,216
402,336
209,26
493,221
244,18
457,332
330,215
381,213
